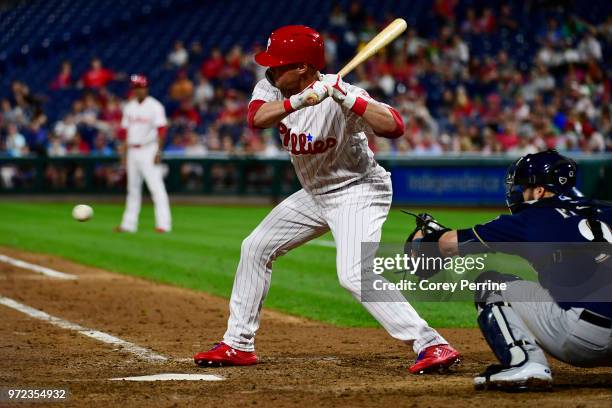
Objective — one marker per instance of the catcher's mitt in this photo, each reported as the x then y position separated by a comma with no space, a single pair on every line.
425,223
431,230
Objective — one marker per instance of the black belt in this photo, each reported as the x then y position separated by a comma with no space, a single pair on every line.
138,146
596,319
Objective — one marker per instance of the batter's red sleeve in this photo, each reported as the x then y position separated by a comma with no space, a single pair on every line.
399,125
253,108
161,131
122,133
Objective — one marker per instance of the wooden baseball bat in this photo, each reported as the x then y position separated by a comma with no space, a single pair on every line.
388,34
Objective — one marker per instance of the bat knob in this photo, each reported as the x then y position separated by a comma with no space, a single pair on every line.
312,99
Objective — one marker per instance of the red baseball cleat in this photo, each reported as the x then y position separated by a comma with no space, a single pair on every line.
224,355
435,358
161,230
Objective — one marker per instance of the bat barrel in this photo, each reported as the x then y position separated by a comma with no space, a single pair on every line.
388,34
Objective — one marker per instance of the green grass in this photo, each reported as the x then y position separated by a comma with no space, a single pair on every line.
203,251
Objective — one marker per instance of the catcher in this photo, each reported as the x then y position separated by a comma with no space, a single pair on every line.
528,318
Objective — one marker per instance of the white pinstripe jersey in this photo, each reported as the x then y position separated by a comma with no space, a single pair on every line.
141,119
327,142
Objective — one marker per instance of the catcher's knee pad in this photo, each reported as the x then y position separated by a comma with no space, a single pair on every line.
482,296
496,321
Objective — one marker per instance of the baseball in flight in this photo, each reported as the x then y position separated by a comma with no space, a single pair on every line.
82,212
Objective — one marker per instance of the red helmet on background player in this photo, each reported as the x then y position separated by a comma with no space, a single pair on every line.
293,44
139,81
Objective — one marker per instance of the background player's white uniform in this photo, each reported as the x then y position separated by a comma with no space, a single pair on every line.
345,191
142,120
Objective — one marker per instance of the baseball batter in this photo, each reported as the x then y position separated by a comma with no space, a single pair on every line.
344,191
144,123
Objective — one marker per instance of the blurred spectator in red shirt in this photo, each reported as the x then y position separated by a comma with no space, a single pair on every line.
234,59
112,114
212,66
77,145
378,66
508,137
231,116
487,21
401,69
445,9
97,76
488,70
464,108
492,109
233,112
64,78
579,124
550,139
187,114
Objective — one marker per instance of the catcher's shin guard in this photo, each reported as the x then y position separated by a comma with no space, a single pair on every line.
498,332
508,336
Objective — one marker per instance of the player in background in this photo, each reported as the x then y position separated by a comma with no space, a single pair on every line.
144,127
568,312
344,190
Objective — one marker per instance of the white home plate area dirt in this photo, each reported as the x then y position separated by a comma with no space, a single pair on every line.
303,362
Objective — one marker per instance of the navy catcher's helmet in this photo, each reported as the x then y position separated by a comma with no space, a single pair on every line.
547,169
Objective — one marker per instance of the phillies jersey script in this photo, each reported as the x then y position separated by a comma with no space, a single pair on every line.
141,119
328,143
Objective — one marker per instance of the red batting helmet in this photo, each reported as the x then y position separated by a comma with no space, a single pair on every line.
293,44
139,81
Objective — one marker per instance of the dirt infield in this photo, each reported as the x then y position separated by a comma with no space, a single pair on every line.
303,362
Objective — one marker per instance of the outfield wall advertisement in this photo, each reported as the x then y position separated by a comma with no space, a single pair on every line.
478,181
449,185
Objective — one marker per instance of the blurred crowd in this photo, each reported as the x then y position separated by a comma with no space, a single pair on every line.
455,96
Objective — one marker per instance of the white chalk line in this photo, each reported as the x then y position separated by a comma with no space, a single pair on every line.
140,352
172,377
52,273
101,336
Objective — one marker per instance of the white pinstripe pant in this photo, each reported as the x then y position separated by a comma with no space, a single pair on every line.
354,214
141,165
